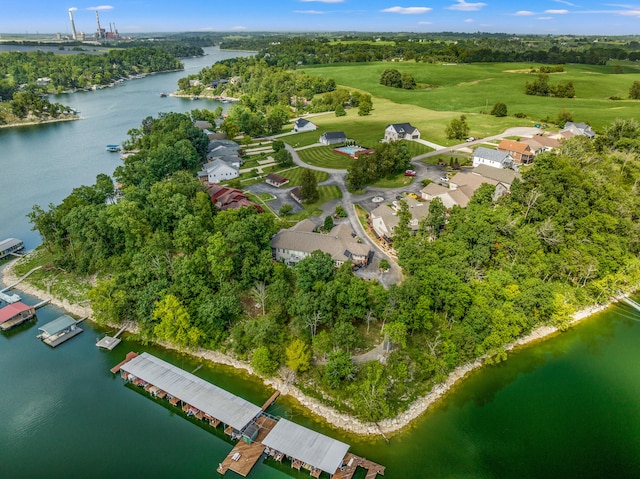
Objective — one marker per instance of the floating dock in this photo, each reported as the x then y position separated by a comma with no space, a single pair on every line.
59,330
15,314
256,431
110,342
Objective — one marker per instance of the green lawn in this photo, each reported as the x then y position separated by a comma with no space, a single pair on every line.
295,174
325,157
474,88
397,181
326,193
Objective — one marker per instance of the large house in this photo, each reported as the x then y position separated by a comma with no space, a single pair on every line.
519,151
578,129
401,131
224,198
540,144
294,244
465,183
333,138
384,218
218,170
487,156
302,125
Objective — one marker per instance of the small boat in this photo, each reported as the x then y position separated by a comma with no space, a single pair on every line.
163,95
113,148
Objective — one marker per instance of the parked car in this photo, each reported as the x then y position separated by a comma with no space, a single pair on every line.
410,173
471,138
444,179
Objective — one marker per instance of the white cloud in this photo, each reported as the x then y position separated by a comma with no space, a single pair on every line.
565,2
466,7
239,27
524,13
544,18
407,10
309,12
469,20
631,13
557,12
101,7
425,23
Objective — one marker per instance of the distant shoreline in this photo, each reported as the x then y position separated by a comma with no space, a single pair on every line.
333,417
44,122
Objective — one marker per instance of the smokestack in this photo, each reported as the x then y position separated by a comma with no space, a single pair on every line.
73,25
98,21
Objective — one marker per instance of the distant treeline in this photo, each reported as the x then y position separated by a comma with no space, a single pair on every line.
294,51
47,72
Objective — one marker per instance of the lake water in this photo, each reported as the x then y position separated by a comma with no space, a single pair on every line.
568,407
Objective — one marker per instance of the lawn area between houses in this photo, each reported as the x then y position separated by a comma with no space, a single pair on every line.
325,193
397,181
325,157
474,88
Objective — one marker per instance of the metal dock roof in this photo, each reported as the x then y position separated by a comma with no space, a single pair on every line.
306,445
212,400
57,325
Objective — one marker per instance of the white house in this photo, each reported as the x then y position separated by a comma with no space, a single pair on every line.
487,156
384,218
302,125
218,170
401,131
333,138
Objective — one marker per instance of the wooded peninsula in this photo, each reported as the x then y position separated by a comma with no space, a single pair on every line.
162,256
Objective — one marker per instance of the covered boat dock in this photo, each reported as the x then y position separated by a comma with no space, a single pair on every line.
197,393
59,330
306,448
15,314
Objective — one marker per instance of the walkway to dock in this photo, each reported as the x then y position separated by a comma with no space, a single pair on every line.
20,280
353,462
270,401
244,456
129,357
110,342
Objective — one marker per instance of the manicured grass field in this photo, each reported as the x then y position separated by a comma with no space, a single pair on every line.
325,157
397,181
295,174
475,88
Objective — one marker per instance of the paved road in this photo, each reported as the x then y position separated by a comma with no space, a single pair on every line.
423,171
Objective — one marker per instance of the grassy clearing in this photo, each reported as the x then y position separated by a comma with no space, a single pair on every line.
445,159
294,175
59,283
397,181
326,193
325,157
474,88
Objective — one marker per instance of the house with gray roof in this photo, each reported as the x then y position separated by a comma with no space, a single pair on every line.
401,131
487,156
578,129
302,125
294,244
218,170
384,218
333,138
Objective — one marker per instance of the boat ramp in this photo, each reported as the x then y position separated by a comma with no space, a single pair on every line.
258,434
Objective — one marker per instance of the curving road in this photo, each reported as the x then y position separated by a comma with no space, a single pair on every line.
349,200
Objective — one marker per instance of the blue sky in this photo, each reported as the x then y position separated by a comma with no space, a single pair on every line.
586,17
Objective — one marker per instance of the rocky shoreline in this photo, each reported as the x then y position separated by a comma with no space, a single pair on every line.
332,416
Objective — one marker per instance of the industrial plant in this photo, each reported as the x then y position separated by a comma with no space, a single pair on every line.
101,34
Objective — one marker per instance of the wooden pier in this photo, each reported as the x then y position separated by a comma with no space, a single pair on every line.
129,357
110,342
353,462
245,455
270,401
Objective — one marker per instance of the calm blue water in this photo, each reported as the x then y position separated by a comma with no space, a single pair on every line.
42,164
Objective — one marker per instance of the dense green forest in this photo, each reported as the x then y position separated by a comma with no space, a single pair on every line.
82,70
476,278
291,52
